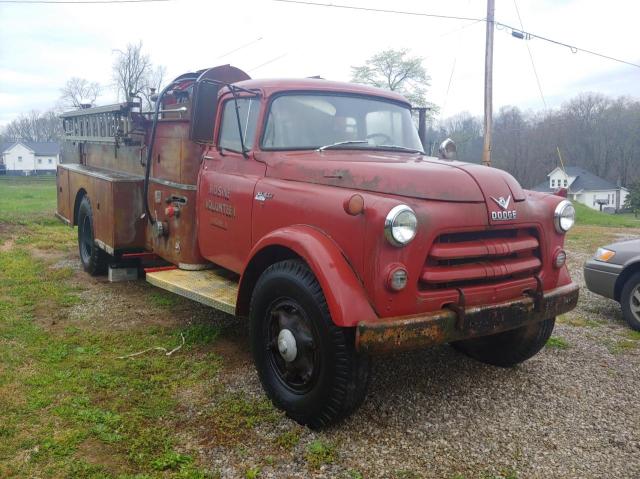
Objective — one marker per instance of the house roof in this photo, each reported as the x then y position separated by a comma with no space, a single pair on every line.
39,148
585,180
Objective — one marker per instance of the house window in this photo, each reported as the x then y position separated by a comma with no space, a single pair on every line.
566,183
40,160
553,183
20,159
50,160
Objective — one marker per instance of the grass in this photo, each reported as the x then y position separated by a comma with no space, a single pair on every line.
320,452
556,342
577,321
588,216
70,407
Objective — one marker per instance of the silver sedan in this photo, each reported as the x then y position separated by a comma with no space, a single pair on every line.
614,272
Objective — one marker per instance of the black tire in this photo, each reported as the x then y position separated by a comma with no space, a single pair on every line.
630,301
93,259
327,379
510,347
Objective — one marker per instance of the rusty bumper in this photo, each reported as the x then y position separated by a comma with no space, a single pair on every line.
447,325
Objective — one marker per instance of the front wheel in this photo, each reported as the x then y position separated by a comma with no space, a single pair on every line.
308,366
630,301
510,347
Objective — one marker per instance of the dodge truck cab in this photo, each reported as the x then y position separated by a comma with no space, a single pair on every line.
310,208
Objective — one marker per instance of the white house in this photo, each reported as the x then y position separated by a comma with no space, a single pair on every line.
586,188
24,158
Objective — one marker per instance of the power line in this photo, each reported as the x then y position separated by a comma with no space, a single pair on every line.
240,47
529,35
79,2
379,10
574,49
533,64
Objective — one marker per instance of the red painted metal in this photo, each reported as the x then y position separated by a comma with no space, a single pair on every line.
159,268
480,270
346,298
480,248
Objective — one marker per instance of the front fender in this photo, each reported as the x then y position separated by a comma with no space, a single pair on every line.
345,296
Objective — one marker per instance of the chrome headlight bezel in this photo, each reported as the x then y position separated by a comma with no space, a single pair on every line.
560,214
391,226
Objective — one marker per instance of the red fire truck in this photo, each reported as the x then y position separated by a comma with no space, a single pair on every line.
309,207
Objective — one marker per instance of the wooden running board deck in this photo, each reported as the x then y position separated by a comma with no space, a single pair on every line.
217,288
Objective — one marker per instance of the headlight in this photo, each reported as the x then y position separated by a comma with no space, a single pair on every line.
401,225
604,254
564,216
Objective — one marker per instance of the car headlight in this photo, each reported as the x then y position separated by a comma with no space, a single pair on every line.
604,254
564,216
400,225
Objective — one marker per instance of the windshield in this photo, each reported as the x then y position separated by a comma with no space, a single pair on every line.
312,121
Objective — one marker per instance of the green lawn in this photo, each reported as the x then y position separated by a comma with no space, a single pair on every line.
69,407
587,216
25,199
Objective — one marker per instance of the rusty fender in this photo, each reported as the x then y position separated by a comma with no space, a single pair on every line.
443,326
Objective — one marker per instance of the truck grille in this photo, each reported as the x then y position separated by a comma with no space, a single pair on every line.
468,259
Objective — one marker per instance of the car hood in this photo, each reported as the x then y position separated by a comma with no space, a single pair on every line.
402,174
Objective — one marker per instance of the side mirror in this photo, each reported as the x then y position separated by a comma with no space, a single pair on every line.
203,111
447,150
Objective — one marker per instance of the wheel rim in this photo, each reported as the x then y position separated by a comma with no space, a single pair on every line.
291,346
634,302
86,240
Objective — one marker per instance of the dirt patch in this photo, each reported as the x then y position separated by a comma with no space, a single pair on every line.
98,453
7,245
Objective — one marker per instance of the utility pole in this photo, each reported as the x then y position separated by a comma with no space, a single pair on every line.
488,85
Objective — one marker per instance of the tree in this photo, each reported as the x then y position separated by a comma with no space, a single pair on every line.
396,71
632,201
79,91
134,74
34,126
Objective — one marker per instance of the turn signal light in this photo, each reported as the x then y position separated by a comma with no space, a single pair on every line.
354,205
397,280
560,259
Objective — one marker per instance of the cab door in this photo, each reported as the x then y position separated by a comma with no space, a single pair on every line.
226,186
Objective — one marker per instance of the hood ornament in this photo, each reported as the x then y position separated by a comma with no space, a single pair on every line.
502,202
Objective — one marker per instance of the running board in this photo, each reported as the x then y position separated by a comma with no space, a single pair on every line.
217,288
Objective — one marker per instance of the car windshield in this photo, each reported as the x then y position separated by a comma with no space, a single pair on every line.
331,121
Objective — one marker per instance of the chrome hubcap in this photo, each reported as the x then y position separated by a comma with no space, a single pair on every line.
287,345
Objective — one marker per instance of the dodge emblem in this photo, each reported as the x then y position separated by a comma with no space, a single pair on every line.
502,201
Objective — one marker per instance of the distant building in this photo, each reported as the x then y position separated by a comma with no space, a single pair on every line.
586,188
23,158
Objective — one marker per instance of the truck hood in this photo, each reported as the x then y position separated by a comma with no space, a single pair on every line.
401,174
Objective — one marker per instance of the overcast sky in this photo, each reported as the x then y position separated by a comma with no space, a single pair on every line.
41,46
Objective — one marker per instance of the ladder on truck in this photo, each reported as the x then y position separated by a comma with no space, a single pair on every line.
122,123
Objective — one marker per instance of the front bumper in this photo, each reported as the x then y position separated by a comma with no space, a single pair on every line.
446,325
601,277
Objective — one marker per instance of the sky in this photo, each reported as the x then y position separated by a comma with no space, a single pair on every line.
42,46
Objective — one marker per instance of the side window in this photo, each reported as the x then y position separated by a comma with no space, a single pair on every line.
229,134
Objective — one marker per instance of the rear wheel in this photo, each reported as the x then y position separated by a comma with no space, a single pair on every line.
510,347
630,301
308,366
93,259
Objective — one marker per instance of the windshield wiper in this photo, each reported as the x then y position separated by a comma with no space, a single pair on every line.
403,148
340,143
